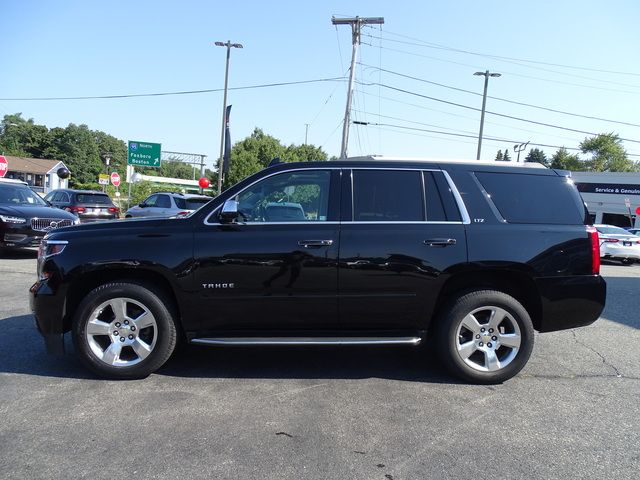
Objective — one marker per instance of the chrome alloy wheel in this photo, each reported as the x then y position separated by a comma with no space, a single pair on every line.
488,339
121,332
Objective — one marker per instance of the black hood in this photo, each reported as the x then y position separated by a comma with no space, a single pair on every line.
35,211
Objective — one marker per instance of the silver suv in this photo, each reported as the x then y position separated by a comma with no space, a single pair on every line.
167,204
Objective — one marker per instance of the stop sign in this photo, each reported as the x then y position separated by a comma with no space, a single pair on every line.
4,166
115,179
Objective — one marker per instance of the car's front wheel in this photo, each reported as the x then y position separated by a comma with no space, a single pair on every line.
484,336
124,330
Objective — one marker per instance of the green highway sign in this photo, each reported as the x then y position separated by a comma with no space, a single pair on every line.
144,154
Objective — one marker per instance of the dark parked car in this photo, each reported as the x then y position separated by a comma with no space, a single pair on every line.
88,205
167,204
25,218
469,256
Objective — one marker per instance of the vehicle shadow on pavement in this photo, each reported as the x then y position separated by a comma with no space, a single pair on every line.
393,363
19,254
22,351
626,314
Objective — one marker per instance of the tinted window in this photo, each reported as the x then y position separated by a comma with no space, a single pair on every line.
387,196
527,198
93,198
301,196
435,209
163,201
190,203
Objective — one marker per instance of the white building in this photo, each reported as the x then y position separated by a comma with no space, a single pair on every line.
611,197
41,174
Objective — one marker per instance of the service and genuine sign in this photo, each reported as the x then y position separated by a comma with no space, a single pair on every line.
144,154
608,188
103,179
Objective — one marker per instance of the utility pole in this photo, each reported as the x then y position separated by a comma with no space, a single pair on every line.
229,45
356,25
486,75
306,133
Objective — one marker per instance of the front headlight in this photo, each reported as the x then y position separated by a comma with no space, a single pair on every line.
10,219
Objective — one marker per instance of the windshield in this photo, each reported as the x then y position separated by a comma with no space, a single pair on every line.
19,195
612,231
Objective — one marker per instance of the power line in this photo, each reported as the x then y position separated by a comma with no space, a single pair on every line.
512,61
440,132
493,113
469,52
513,73
503,99
187,92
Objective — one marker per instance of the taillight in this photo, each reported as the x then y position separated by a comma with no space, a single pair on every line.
114,210
74,209
595,250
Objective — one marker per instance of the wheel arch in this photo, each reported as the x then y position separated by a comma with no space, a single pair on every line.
517,284
82,285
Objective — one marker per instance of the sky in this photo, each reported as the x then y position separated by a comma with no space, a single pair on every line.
415,85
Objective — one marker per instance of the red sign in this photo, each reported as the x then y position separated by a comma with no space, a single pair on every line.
4,166
115,179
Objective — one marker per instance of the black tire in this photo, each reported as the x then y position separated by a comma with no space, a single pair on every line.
156,342
468,353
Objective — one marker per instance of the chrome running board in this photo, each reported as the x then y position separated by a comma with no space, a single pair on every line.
246,341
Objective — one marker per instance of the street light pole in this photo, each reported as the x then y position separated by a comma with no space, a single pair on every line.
486,75
229,45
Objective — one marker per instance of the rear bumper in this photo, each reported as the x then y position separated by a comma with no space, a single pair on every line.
569,302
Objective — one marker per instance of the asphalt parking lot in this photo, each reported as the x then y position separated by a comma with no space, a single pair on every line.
361,413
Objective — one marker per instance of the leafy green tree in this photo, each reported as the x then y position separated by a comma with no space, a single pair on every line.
76,146
499,156
506,157
255,152
607,154
22,138
536,155
564,160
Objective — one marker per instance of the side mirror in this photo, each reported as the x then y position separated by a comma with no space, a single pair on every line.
229,211
142,205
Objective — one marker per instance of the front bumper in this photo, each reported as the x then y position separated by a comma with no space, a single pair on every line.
48,309
569,302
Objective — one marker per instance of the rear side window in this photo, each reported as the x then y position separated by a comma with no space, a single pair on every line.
522,198
163,201
387,196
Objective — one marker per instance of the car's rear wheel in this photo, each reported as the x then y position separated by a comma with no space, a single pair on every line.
484,336
124,330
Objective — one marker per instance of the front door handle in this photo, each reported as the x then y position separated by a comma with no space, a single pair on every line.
315,243
440,242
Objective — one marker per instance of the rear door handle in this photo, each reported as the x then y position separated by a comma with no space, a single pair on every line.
440,242
315,243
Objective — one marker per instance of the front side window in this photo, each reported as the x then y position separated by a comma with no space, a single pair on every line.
387,196
301,196
151,201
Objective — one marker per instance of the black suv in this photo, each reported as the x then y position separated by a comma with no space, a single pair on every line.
25,218
88,205
471,257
